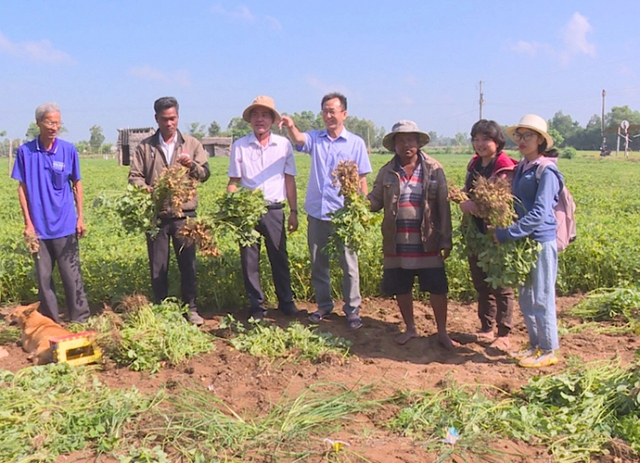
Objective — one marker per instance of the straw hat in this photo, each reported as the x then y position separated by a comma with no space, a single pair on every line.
262,102
533,122
404,126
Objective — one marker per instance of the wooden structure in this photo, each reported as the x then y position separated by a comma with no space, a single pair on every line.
128,140
217,146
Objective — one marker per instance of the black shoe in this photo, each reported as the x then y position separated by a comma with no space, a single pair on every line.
291,310
257,314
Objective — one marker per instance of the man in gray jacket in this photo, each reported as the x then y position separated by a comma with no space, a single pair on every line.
167,148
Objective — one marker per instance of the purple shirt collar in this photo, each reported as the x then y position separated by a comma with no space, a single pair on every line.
54,147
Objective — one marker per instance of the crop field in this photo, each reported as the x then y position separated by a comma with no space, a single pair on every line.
286,391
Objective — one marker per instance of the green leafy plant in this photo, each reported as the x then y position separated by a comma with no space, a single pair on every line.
137,211
296,341
239,213
353,221
147,336
57,409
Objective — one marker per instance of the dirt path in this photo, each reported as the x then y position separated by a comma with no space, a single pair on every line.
248,384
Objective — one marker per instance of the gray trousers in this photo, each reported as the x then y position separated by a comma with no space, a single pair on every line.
63,251
317,235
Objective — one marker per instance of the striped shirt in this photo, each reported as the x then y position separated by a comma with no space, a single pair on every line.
410,252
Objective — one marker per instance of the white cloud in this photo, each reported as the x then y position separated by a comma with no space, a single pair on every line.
574,42
147,73
574,36
41,52
242,14
315,83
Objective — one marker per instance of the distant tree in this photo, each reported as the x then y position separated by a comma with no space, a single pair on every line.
106,148
564,125
371,134
557,137
33,131
461,139
214,129
96,139
433,138
238,128
3,133
621,113
196,130
83,147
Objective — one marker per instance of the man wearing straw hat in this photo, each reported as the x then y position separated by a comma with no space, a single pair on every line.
263,160
416,228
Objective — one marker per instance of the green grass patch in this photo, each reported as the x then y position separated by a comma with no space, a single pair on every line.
9,334
576,414
51,410
294,342
201,428
618,305
147,336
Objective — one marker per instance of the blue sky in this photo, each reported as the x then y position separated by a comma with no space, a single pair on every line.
105,62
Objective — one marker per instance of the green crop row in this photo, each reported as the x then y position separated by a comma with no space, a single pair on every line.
114,264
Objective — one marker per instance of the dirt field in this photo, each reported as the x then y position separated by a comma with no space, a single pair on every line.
249,384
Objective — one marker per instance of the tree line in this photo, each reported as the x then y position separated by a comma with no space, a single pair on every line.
565,131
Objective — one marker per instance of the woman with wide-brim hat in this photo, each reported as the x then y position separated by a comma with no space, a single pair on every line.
537,194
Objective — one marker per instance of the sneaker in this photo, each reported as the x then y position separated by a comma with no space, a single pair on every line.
540,360
522,353
195,318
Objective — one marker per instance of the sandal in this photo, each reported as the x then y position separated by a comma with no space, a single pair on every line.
318,316
354,323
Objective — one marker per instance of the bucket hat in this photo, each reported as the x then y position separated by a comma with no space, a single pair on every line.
533,122
263,102
404,126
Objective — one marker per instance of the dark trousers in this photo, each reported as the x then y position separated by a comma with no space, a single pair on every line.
158,250
271,226
63,251
495,306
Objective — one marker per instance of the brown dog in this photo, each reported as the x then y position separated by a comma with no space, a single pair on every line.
37,330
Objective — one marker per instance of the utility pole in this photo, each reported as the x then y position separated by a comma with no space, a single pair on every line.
481,99
604,140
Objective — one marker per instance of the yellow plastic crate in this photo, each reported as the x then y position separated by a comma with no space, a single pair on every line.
76,349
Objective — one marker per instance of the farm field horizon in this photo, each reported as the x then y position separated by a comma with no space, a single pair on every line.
237,401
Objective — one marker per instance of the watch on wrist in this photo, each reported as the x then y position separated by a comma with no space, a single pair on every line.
294,211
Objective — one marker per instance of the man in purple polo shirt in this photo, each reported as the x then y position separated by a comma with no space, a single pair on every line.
50,195
327,148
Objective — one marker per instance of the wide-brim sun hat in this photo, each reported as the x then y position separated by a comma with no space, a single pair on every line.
263,102
532,122
404,126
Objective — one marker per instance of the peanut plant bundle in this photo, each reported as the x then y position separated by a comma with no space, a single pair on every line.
174,186
352,222
509,263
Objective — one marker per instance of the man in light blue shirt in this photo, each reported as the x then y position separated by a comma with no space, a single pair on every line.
327,148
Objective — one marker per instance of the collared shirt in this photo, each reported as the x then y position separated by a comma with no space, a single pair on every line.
47,175
168,148
263,167
322,196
